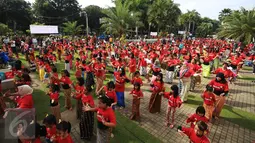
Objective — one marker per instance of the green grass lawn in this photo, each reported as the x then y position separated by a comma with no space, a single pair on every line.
247,78
126,131
247,68
234,115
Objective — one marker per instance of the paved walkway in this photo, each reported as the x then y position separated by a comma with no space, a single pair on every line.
222,131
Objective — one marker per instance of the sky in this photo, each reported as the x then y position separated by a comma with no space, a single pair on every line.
206,8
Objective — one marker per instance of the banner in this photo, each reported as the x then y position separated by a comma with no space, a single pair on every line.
43,29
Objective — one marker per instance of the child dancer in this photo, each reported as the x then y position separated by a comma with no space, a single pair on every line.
137,95
198,116
137,79
155,99
79,90
174,101
54,104
105,119
110,93
67,84
197,134
50,123
86,118
209,101
64,129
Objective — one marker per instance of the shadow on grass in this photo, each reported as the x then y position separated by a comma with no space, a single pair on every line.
234,115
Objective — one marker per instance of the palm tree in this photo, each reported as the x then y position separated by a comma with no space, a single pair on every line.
224,13
193,17
163,14
120,19
72,28
240,26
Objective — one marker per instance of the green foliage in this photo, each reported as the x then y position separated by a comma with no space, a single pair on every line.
204,29
240,26
4,29
72,28
224,13
94,14
16,12
163,14
120,18
55,12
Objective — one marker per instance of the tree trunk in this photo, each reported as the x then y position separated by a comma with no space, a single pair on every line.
189,26
193,28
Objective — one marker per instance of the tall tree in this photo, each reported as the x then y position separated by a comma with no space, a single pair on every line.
16,14
55,12
240,26
142,6
163,14
224,13
94,15
120,19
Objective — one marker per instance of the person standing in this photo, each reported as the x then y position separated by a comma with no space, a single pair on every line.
86,117
66,85
106,119
185,77
155,99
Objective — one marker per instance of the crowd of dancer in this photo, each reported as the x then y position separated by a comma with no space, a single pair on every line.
156,64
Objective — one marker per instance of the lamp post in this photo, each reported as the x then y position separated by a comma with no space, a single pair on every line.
87,22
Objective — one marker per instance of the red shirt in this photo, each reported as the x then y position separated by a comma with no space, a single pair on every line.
190,132
77,63
207,59
218,87
107,114
209,98
132,65
78,74
25,102
157,86
51,132
66,80
55,80
48,68
110,94
227,73
79,89
143,63
235,61
99,69
120,82
185,73
137,94
193,119
86,99
173,102
137,80
54,96
68,139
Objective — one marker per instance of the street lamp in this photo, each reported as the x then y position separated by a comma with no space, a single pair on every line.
87,21
136,28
